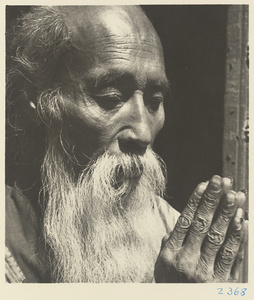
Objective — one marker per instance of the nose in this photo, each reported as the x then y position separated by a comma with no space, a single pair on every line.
136,134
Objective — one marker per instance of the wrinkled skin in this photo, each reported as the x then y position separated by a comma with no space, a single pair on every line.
206,245
121,74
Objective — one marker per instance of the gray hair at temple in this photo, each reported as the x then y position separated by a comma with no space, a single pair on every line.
37,48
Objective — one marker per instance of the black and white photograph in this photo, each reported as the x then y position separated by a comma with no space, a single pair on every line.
127,144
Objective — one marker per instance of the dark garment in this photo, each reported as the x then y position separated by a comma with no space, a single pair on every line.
21,239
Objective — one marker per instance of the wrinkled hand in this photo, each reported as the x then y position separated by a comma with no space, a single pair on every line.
207,243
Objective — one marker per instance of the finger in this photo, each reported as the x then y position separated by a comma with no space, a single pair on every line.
227,184
240,255
184,221
218,230
229,250
204,215
241,198
216,235
239,258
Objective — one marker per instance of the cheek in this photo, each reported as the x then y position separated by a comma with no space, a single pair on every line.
87,128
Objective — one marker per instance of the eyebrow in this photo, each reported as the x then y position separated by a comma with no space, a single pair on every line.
113,77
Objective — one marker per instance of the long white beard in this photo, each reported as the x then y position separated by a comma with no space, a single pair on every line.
105,226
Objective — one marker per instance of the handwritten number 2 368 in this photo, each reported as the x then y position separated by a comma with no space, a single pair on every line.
231,291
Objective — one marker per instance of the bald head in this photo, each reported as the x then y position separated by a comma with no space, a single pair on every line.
94,29
86,21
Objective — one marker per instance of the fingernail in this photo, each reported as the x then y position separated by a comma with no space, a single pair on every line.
230,178
238,219
227,183
230,198
215,183
240,198
201,188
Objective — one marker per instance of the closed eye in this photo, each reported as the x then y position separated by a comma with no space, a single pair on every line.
154,102
108,102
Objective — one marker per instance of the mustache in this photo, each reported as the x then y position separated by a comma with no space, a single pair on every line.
127,174
125,169
130,165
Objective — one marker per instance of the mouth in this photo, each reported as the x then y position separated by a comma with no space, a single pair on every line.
130,172
134,172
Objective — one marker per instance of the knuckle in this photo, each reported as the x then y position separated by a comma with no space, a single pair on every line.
170,243
215,237
226,215
193,202
234,240
182,264
186,262
167,256
201,278
211,199
184,222
200,225
227,255
202,275
196,196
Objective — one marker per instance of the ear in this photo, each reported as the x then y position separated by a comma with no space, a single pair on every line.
32,105
32,111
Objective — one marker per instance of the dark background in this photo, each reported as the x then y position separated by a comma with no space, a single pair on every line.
194,43
193,39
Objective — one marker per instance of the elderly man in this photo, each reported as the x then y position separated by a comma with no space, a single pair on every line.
85,91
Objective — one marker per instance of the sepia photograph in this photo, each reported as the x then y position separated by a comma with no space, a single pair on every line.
127,144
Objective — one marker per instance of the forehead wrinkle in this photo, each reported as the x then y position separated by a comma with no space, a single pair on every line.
105,50
137,50
104,77
111,43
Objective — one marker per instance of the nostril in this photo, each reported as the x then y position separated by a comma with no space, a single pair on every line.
130,147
